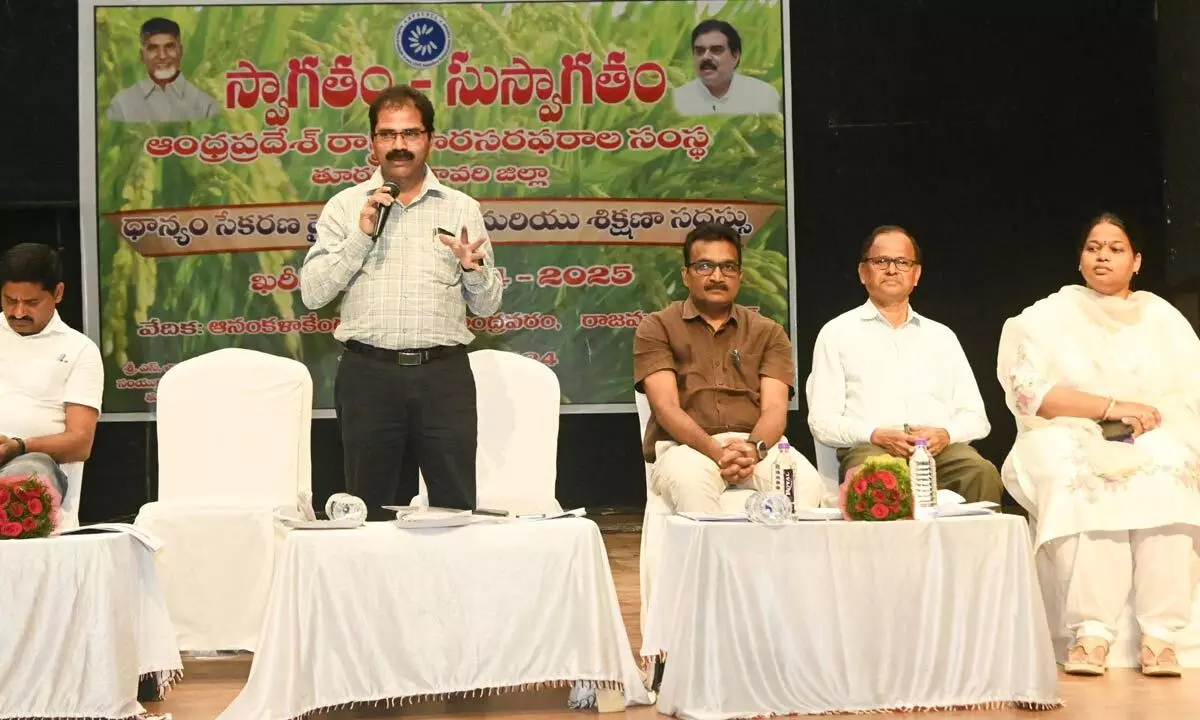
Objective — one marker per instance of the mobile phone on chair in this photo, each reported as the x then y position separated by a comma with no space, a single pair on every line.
1116,431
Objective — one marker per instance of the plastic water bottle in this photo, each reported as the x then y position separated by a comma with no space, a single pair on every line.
783,473
923,471
769,508
345,505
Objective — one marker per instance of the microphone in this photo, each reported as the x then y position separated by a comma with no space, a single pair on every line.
392,189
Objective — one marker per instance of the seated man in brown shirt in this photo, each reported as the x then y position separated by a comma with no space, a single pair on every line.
718,377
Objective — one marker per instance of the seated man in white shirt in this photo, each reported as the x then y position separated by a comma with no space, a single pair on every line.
719,89
51,377
884,376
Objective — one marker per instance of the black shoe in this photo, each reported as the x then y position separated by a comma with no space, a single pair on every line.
148,689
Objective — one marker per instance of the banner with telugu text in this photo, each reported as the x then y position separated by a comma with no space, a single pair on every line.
574,124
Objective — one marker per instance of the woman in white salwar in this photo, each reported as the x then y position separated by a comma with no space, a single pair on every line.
1105,385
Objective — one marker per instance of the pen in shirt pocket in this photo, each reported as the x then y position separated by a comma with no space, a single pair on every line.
737,364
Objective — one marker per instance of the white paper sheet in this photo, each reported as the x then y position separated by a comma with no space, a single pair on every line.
146,538
435,519
949,497
577,512
983,507
715,517
413,522
821,513
339,524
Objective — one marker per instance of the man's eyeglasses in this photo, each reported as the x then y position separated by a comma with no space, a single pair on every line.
392,135
880,262
704,267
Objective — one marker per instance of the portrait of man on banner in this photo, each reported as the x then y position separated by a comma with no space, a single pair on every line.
164,95
719,89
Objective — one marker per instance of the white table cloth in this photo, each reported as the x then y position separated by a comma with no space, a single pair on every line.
81,620
820,617
384,614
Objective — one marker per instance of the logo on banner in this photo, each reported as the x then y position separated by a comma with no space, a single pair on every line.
422,39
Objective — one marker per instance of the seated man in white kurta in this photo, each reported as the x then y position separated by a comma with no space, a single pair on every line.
884,377
51,377
1076,365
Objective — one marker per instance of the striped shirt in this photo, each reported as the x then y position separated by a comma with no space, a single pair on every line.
408,290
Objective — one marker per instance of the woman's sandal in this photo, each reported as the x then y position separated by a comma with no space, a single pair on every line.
1082,658
1158,658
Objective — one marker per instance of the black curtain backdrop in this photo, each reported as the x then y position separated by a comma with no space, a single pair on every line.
993,130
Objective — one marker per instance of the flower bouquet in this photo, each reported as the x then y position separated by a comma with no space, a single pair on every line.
29,508
879,489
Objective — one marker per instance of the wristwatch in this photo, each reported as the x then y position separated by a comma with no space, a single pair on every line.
760,448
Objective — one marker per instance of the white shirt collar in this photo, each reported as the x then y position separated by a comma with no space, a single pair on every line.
733,81
868,311
429,184
54,327
176,87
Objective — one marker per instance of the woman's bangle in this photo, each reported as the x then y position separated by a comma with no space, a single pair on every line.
1111,403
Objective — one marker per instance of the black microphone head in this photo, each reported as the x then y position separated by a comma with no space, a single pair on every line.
392,189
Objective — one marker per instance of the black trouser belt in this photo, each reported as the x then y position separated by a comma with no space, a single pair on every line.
418,356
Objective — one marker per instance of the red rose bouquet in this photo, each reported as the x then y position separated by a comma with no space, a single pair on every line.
29,508
879,489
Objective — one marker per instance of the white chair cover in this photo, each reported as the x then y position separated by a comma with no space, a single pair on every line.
69,517
827,462
517,400
234,443
1123,652
657,511
231,416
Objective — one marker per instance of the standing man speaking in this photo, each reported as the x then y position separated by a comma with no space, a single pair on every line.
411,256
